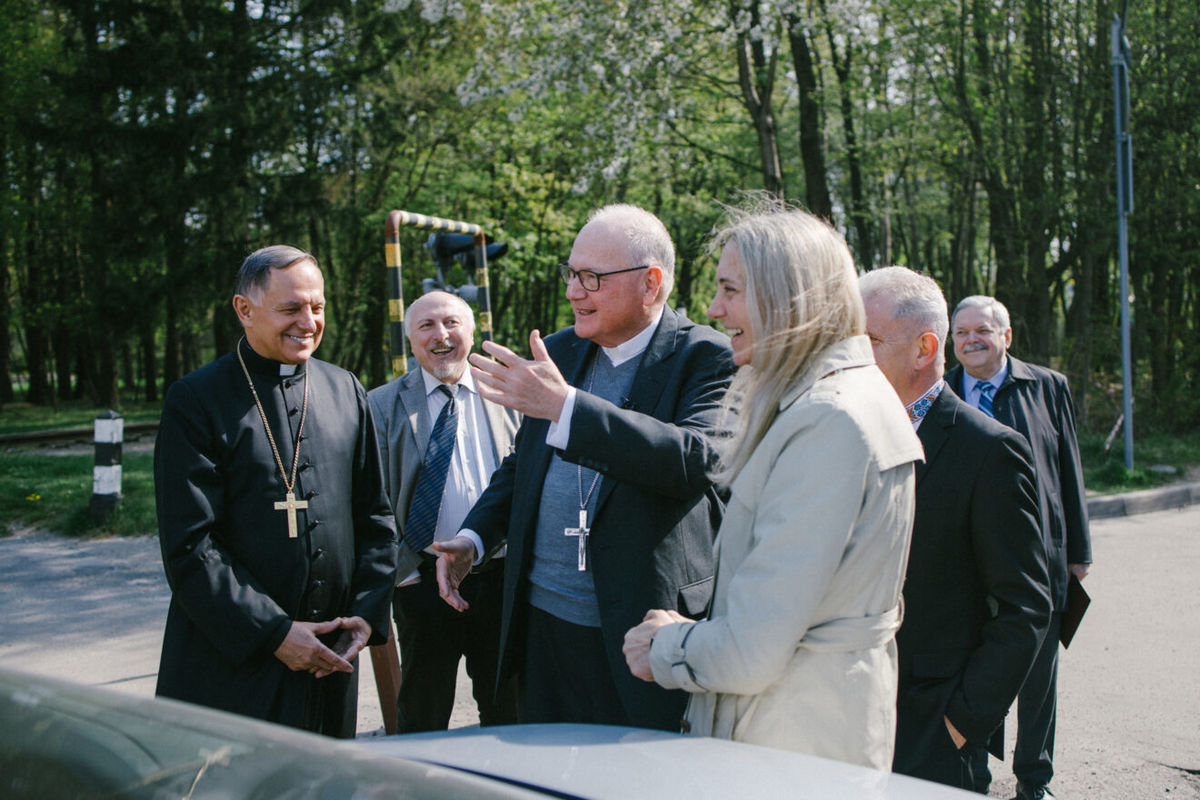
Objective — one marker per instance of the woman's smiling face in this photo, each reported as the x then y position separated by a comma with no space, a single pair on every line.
729,305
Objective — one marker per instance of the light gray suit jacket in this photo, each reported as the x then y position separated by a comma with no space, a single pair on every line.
403,426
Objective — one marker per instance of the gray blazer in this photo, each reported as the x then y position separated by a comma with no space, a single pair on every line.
403,427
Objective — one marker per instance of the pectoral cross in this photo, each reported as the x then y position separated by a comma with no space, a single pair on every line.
582,532
290,505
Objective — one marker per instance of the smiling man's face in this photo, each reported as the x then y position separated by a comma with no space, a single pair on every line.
285,321
441,329
980,344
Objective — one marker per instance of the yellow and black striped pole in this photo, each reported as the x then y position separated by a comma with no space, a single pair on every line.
484,323
398,219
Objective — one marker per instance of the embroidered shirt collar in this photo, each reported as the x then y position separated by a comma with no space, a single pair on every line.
919,407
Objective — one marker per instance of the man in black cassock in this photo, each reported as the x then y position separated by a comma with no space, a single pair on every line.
276,532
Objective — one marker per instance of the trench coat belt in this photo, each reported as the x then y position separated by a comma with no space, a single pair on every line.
852,633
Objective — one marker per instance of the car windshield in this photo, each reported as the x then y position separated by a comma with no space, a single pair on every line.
72,742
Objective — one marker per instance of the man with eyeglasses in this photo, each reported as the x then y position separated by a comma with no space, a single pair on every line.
1035,402
605,505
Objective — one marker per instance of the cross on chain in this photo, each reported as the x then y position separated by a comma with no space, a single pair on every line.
582,532
291,505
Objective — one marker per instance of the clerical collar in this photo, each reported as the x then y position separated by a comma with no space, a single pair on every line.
431,383
634,347
918,408
268,366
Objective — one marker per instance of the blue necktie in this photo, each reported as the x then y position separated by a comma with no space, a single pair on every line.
427,497
985,398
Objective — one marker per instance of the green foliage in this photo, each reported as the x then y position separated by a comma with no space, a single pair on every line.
146,148
53,492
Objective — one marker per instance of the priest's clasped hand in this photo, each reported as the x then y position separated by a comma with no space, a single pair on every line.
302,651
535,388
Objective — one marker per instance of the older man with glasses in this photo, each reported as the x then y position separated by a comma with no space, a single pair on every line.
606,505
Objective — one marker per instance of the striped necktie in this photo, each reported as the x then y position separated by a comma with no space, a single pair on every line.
985,390
427,497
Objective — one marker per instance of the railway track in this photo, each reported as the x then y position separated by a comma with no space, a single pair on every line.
65,436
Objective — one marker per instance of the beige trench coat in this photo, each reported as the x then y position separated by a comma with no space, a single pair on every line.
798,652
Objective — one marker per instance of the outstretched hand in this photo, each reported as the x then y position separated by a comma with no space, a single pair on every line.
457,556
535,388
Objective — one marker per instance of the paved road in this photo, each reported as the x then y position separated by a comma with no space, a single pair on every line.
1129,707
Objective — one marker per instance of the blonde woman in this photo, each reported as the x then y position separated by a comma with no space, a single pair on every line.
798,651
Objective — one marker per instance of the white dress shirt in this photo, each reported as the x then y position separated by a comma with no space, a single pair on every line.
971,393
473,460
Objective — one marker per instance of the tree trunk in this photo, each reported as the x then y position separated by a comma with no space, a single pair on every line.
149,358
860,214
812,140
756,77
6,321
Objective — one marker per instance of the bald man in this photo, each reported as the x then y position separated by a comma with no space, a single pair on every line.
431,412
977,590
606,505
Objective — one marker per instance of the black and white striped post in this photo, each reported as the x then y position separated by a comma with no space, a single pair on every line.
106,474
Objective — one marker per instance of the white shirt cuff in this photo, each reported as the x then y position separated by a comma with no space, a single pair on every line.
474,537
559,433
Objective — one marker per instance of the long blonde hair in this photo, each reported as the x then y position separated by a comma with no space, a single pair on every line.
801,296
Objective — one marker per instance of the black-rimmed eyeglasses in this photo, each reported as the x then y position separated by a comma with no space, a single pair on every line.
589,280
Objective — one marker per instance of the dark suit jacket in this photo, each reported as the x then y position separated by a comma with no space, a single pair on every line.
403,426
1036,402
657,512
976,594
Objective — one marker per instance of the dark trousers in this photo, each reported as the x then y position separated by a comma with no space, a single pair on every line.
433,637
924,748
1037,711
566,676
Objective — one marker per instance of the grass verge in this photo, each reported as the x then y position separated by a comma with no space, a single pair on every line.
1105,473
53,492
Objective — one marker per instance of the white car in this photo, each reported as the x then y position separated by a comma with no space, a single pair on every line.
61,740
